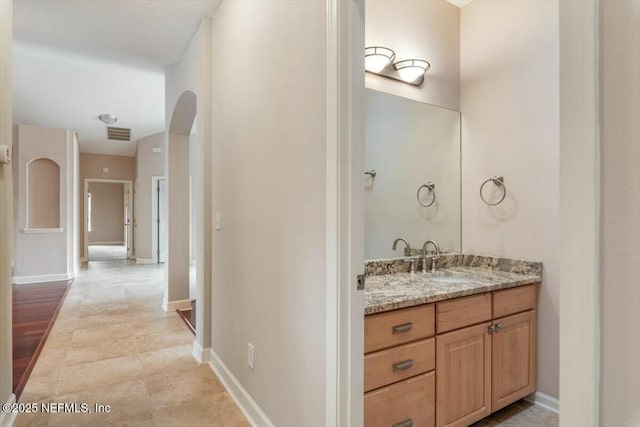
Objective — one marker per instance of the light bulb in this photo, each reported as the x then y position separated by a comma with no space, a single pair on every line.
375,63
410,74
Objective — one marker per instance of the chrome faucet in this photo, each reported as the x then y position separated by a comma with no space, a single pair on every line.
407,249
434,259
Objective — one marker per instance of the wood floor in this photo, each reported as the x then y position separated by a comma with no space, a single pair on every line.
189,317
35,307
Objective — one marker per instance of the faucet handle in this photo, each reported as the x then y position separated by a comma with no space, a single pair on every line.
434,262
413,265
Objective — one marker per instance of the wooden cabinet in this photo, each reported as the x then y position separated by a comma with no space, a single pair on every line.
513,353
485,359
463,376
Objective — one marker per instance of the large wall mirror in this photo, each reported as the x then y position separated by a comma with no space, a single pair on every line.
410,146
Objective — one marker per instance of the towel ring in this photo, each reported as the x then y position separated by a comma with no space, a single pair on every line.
499,181
429,186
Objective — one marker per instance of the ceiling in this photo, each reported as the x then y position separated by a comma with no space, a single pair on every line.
155,32
76,59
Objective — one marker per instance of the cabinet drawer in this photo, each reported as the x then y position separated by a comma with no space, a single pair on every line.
398,327
410,403
460,312
514,300
397,363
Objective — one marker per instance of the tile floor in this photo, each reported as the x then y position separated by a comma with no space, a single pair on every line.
521,414
107,252
112,344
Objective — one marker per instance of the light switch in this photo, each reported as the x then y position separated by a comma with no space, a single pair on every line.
5,154
218,224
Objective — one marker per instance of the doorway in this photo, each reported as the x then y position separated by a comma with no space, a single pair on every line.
107,220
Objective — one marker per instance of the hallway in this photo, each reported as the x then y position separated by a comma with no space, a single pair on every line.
107,252
113,345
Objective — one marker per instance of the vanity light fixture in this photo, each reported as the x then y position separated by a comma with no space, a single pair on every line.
412,70
379,60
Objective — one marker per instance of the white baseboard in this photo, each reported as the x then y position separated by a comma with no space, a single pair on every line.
115,243
254,414
145,261
8,418
21,280
544,400
181,304
199,353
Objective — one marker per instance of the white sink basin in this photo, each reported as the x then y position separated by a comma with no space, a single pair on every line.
451,279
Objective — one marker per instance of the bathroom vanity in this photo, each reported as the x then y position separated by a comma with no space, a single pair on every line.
451,347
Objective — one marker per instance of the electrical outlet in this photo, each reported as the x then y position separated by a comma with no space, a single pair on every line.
251,352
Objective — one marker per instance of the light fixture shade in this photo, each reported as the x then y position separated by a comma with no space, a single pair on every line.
108,119
377,58
411,70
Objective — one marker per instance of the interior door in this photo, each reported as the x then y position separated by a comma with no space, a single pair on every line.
161,220
128,232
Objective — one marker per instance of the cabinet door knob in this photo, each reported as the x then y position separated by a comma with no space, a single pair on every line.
402,366
492,329
405,423
406,327
498,327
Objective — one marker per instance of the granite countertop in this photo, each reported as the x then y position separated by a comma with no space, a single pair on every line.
399,290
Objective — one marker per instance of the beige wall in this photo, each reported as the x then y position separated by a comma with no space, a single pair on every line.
269,186
510,115
42,253
193,73
6,203
418,29
120,167
107,213
620,210
148,164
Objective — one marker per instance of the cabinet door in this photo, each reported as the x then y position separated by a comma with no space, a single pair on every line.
463,376
514,364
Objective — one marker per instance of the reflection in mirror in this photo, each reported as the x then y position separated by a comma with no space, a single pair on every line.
414,149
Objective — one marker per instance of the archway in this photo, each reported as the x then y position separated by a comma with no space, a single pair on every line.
177,166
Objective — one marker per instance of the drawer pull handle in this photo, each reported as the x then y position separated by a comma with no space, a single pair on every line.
405,423
402,328
402,366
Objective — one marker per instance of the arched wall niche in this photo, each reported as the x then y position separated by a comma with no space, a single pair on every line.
43,194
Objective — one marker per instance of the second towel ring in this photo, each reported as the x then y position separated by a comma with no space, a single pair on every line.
429,186
499,181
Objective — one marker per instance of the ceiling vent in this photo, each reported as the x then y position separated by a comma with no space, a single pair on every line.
118,134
